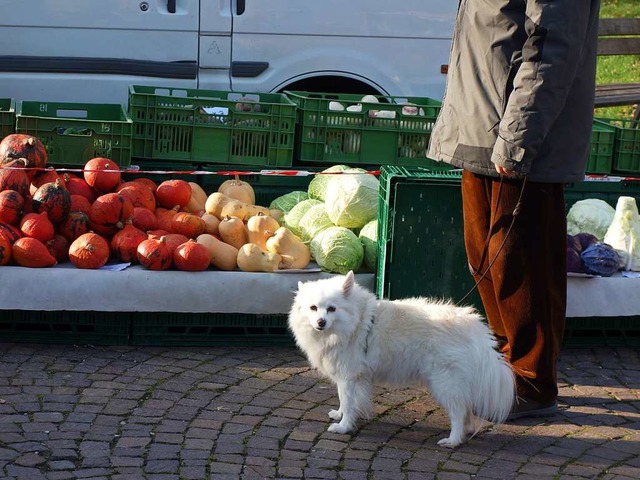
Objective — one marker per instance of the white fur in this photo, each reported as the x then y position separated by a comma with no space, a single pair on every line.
357,341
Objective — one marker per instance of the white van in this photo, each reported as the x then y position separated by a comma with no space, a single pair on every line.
91,50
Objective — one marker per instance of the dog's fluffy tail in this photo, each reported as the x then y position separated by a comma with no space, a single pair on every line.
495,391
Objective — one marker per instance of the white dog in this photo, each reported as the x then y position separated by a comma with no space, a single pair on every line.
357,341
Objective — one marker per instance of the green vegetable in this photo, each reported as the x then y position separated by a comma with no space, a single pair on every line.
318,184
313,222
351,199
337,250
293,217
590,215
624,232
287,201
369,239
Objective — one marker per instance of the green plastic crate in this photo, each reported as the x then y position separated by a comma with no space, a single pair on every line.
205,126
626,150
329,137
420,240
602,144
204,329
602,331
159,171
7,117
608,190
74,133
65,327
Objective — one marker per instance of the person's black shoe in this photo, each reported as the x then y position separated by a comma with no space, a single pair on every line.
526,407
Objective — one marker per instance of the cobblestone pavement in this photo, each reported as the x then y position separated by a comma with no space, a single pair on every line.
131,413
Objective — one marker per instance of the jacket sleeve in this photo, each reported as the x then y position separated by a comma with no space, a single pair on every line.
555,33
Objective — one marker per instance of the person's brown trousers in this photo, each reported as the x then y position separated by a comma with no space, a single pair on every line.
524,293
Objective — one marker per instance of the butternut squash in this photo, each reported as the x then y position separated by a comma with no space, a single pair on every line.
285,243
277,214
221,206
251,258
233,231
260,228
223,255
238,189
211,223
197,200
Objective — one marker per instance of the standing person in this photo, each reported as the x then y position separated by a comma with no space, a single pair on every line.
517,117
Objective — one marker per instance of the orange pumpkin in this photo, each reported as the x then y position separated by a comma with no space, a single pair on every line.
191,256
154,254
89,251
37,225
10,232
124,244
31,252
76,224
139,194
18,145
46,176
14,177
157,233
109,213
148,182
11,206
58,246
173,192
80,204
5,251
165,217
187,224
174,240
79,186
54,199
102,174
144,219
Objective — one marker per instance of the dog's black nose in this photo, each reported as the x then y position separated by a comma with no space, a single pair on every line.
322,322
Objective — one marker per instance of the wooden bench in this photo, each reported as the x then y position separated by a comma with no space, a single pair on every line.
619,36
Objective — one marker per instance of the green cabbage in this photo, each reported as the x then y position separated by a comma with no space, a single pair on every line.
369,239
287,201
351,199
313,222
337,250
293,217
318,184
590,215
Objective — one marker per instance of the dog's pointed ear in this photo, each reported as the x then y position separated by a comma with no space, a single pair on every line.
349,281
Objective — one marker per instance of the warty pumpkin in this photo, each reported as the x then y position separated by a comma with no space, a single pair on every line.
155,254
109,213
14,177
18,145
76,224
11,206
54,199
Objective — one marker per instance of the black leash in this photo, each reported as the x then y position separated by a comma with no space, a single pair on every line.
485,251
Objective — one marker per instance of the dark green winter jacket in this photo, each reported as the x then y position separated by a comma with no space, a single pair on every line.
520,88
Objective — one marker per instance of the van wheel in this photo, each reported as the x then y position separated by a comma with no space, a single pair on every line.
332,84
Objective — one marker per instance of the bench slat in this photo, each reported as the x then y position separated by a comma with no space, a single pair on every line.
619,46
619,26
617,94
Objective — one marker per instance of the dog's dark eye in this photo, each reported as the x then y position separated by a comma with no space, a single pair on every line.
331,309
313,307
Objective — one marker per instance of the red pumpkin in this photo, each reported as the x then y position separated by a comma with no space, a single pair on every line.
54,199
148,182
102,174
165,217
138,193
5,251
187,224
78,186
80,204
173,192
109,213
11,206
76,224
18,145
38,226
30,252
144,219
46,176
154,254
89,251
58,246
14,177
124,244
174,240
10,232
191,256
157,233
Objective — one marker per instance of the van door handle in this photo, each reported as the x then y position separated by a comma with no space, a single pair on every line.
171,6
240,6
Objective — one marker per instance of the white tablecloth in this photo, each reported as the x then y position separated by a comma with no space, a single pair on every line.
135,289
